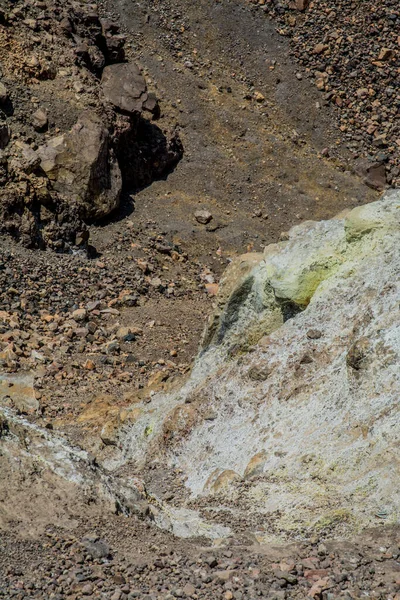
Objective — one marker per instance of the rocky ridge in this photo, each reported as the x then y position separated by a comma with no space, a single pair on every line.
70,140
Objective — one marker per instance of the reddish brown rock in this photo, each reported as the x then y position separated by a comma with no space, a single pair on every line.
302,4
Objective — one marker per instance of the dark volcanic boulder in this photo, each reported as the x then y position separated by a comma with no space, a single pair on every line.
125,87
29,214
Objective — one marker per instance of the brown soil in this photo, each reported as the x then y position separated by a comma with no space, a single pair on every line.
242,157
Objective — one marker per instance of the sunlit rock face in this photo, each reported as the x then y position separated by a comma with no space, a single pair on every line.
290,419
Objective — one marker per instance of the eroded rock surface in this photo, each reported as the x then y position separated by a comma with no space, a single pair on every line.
81,167
50,482
289,421
125,87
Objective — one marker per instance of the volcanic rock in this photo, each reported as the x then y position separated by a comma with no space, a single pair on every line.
302,4
124,87
40,120
203,216
385,54
3,93
373,173
81,167
5,135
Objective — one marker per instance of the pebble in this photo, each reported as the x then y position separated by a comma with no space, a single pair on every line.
203,216
164,570
79,314
40,120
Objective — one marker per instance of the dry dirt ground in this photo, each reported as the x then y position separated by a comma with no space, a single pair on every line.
211,62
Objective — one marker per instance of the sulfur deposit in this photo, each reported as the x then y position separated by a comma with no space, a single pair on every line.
289,420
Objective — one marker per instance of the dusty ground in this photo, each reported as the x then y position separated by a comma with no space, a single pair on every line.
136,561
242,157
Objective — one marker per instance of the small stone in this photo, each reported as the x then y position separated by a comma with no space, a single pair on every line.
212,288
32,62
259,372
3,425
203,216
112,346
31,23
37,356
318,587
66,26
89,365
376,177
314,334
385,54
302,4
78,87
79,314
40,120
211,561
125,334
224,576
320,48
97,548
87,589
322,550
5,135
189,590
156,282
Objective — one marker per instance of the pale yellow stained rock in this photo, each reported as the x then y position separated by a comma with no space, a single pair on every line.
224,480
299,369
256,465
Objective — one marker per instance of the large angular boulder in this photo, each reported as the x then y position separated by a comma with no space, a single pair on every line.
81,167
